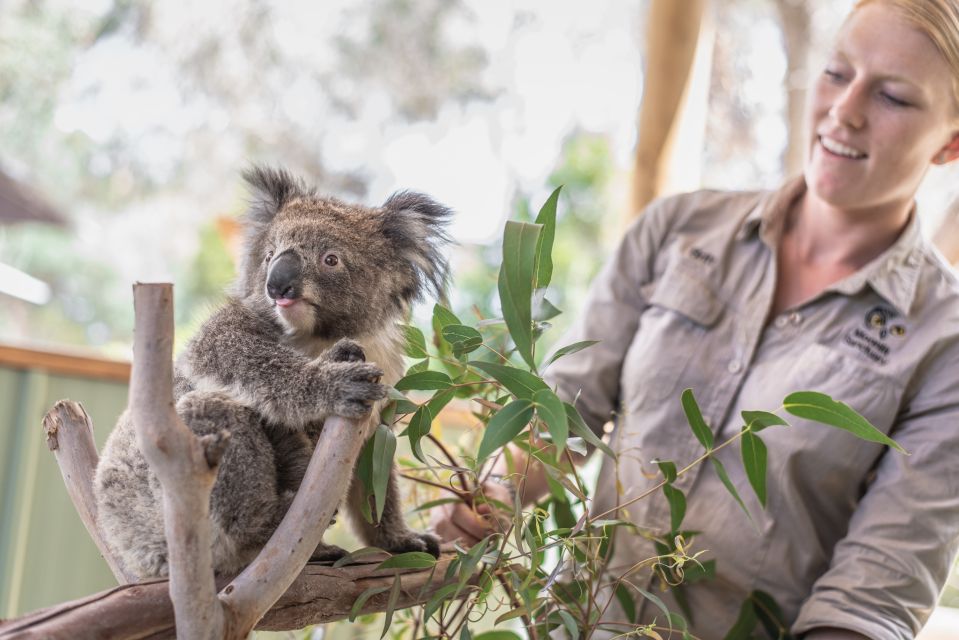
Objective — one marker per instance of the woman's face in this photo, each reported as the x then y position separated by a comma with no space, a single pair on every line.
880,112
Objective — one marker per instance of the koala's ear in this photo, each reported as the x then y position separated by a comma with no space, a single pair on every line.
271,189
416,225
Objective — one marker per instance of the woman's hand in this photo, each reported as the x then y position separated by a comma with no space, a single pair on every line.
468,525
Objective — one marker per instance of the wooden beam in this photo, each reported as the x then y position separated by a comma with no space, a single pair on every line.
68,364
672,33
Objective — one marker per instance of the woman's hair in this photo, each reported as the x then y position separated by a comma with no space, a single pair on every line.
938,19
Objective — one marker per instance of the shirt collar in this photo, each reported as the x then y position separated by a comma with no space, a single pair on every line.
894,274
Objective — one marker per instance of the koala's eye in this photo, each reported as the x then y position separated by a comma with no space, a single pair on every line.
331,260
269,256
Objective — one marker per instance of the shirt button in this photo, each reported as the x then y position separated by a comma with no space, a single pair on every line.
781,321
795,317
734,366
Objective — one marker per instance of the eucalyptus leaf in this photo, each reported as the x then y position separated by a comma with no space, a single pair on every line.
362,598
695,418
420,425
409,560
770,615
677,506
444,317
626,601
424,380
668,469
517,277
391,605
497,635
384,446
544,250
569,350
522,384
551,411
506,424
754,462
819,407
759,420
579,427
419,367
415,342
543,309
721,472
462,339
745,624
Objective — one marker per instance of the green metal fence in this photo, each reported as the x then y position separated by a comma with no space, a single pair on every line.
46,555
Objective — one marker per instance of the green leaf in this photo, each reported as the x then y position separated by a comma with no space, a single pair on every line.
391,606
695,418
743,628
506,424
438,599
705,570
754,462
419,367
424,380
544,250
668,468
443,317
516,279
364,471
579,427
819,407
384,446
497,635
759,420
569,349
440,400
409,560
570,623
512,613
626,602
677,506
521,384
465,633
420,425
551,411
769,614
362,598
721,471
353,556
463,339
415,342
543,309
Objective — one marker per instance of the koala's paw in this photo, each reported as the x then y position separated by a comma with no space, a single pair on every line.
413,541
345,350
353,388
327,553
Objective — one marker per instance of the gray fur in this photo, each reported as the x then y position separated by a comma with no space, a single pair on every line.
271,374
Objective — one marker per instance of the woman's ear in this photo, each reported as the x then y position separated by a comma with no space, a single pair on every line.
949,152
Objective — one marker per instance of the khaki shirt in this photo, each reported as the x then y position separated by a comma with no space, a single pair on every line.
854,535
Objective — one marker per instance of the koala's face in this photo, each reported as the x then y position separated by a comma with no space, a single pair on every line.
331,269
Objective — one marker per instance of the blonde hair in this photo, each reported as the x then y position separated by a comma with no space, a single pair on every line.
938,19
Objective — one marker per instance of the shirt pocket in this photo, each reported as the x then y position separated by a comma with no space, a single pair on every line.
682,308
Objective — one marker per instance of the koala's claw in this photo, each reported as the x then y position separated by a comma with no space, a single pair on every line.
415,542
345,350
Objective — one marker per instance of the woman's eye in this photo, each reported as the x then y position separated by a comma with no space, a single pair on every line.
331,260
893,100
269,256
835,76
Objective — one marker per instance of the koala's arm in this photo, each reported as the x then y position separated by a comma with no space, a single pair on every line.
242,353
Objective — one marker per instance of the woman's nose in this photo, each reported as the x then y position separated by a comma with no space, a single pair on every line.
847,108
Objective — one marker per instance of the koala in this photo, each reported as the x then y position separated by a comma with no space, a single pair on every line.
309,331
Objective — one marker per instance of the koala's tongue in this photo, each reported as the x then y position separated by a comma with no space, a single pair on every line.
286,302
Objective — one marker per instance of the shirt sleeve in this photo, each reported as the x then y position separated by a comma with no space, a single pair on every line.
610,314
886,573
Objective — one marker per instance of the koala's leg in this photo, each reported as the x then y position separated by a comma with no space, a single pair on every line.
391,533
246,504
292,451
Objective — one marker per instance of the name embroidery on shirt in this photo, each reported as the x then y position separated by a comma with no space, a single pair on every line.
703,256
871,339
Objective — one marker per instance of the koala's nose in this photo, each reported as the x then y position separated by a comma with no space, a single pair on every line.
284,277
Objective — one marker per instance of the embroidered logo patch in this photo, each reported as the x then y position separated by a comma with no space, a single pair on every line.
879,331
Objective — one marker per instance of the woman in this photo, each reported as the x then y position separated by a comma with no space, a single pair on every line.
825,284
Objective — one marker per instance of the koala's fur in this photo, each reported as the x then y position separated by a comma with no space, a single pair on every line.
271,373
